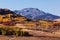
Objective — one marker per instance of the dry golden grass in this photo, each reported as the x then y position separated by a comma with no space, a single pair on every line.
27,38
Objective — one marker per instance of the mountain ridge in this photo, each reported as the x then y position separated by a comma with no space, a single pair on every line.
35,13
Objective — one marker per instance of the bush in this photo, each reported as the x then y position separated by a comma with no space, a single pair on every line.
9,30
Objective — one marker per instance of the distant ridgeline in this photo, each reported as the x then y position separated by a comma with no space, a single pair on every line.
5,11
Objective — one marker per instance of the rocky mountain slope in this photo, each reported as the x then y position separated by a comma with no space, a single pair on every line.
35,13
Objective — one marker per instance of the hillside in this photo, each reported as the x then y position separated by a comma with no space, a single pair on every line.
35,13
57,20
7,16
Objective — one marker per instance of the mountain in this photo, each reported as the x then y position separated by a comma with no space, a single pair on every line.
5,11
25,16
35,13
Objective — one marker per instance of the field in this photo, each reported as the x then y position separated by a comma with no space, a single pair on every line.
33,33
28,38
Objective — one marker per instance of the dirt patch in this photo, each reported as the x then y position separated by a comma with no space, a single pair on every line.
27,38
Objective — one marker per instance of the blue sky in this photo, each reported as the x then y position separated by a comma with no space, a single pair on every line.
50,6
